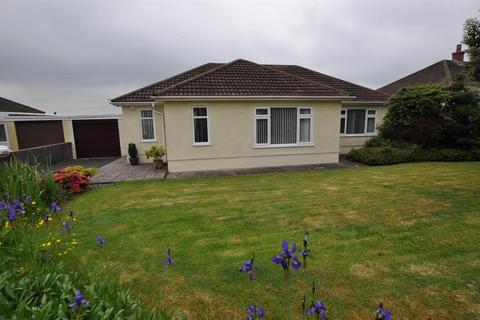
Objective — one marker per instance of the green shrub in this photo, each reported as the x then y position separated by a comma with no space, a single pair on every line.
87,172
386,155
48,296
434,116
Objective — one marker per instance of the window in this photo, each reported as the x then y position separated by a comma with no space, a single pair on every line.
283,126
357,121
3,134
200,125
147,125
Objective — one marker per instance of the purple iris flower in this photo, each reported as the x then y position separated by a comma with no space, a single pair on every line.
248,267
46,217
66,227
54,207
317,307
11,214
254,312
101,242
79,300
287,257
382,313
168,261
3,205
28,199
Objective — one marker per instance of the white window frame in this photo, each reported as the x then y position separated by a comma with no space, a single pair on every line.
5,143
304,116
141,126
367,116
261,116
268,117
197,144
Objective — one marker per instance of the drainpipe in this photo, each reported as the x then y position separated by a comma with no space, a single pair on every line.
163,125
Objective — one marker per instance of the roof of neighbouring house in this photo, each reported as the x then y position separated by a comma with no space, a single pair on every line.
242,78
443,71
12,106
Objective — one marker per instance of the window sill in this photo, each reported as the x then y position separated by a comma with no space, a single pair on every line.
342,135
283,146
154,140
206,144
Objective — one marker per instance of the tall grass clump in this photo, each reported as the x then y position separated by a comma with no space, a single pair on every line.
18,179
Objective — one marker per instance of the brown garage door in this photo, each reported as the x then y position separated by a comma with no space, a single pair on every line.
96,138
38,133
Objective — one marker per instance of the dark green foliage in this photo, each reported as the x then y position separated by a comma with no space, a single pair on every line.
434,116
387,154
471,37
132,150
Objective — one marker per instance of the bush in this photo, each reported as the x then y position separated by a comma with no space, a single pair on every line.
72,180
434,116
48,296
156,151
386,155
87,172
19,179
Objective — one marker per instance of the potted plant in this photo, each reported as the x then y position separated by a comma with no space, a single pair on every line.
156,151
132,154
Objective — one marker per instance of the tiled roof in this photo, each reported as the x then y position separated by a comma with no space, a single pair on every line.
444,71
245,78
361,93
145,93
12,106
242,78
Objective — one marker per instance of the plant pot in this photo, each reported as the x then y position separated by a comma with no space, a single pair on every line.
133,161
158,163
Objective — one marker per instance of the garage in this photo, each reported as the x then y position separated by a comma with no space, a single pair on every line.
96,138
38,133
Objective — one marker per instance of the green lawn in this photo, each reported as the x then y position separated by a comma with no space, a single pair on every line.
407,235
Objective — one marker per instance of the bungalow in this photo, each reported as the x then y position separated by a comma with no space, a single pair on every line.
243,114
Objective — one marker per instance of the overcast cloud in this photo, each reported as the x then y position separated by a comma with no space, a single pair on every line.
72,56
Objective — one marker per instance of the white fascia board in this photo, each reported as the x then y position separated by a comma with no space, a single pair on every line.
190,98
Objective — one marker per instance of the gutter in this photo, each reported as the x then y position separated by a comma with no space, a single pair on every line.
187,98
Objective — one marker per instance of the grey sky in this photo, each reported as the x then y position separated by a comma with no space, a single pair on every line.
72,56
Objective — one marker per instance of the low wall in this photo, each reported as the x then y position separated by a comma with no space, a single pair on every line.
46,155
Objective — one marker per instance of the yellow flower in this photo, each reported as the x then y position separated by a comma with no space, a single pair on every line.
74,219
60,254
58,240
41,222
43,245
49,243
7,224
64,252
34,203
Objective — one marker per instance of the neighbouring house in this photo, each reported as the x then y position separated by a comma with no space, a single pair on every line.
243,114
8,134
443,71
24,128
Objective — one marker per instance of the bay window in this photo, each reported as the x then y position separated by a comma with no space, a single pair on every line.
283,126
358,121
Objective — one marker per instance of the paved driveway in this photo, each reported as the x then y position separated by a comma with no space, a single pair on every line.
84,162
121,170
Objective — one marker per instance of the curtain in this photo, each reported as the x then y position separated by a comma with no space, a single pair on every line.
283,125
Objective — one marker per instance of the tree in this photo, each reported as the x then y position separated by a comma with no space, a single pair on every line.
471,37
434,116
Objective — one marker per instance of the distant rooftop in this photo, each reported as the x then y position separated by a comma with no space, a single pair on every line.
12,106
443,71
